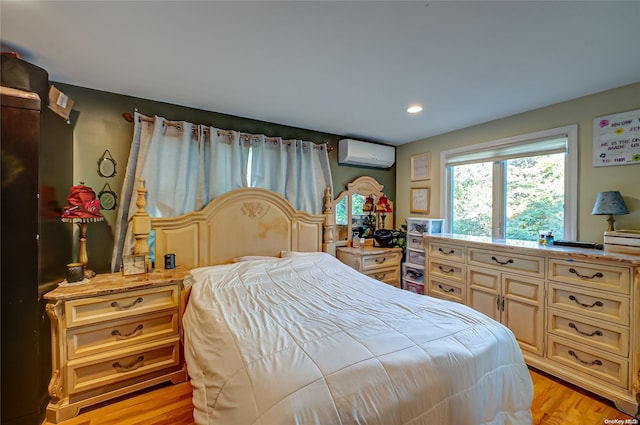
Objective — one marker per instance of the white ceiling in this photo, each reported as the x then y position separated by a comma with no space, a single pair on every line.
348,68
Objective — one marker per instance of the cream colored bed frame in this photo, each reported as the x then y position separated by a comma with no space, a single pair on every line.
248,221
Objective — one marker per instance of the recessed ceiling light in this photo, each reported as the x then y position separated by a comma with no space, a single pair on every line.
414,109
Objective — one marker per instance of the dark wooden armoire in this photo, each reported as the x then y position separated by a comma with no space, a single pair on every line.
36,152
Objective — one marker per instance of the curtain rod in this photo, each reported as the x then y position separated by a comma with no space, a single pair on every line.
129,118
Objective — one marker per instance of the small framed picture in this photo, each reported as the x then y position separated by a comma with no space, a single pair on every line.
420,200
133,264
421,166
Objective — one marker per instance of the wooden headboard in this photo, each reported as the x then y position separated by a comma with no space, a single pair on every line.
248,221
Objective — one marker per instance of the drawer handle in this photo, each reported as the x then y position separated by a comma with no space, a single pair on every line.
509,261
446,271
445,290
581,276
380,276
380,261
574,327
595,362
123,368
595,304
414,240
450,252
117,305
119,335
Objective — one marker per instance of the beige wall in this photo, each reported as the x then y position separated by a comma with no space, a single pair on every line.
98,125
591,179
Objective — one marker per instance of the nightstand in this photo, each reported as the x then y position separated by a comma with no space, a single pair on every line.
113,336
379,263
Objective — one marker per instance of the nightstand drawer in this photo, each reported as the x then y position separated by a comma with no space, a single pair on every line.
448,290
87,311
446,251
505,261
451,271
100,371
106,336
389,275
593,304
596,276
379,261
582,358
602,335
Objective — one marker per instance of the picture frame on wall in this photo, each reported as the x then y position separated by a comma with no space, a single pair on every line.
420,202
421,166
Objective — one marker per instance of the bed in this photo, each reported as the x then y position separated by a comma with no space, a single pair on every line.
278,331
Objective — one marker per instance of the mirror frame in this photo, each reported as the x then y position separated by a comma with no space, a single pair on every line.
364,186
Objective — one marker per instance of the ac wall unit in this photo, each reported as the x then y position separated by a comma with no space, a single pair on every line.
356,152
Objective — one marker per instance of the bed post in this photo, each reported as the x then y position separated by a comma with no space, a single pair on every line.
328,238
141,226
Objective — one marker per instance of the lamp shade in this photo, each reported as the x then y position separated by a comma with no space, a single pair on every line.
383,205
368,204
82,205
610,203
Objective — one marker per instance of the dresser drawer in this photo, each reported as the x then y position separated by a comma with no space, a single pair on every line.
505,261
597,276
104,336
446,289
597,334
582,358
415,257
91,310
99,371
380,261
446,251
594,304
444,269
390,275
414,241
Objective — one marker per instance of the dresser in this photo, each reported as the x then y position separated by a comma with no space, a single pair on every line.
574,312
112,336
379,263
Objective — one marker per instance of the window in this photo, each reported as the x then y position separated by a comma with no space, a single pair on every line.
513,188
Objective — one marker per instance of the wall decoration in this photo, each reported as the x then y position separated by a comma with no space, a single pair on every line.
421,166
106,165
616,139
420,200
108,198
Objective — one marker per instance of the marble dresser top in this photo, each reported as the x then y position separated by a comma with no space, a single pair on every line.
536,249
111,283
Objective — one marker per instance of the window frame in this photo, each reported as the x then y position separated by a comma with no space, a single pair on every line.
498,220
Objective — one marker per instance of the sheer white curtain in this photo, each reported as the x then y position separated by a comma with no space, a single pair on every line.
185,166
295,169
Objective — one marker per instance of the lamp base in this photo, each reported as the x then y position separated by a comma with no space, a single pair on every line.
611,221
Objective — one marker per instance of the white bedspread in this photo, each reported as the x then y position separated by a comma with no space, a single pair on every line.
308,340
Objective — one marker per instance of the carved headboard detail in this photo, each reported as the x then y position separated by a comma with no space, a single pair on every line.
247,221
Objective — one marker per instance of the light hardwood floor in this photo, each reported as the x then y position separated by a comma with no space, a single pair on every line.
554,403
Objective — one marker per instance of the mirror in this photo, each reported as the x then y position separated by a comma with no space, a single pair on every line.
356,214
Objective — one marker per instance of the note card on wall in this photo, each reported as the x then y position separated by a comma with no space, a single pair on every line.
616,139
